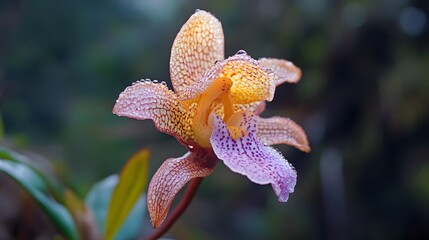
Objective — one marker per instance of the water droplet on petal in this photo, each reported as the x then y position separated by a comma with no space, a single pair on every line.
155,81
270,71
197,10
164,83
241,52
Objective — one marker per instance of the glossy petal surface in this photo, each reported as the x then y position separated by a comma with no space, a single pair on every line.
196,48
245,155
251,81
279,130
285,71
148,100
173,174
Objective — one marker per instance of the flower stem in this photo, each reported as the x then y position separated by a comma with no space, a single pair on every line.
178,210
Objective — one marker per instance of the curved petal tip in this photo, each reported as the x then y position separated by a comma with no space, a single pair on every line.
173,174
247,156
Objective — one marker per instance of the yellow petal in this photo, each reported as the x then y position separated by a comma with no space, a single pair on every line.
251,81
219,89
197,46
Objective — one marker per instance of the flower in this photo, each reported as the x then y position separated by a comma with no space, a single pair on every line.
214,111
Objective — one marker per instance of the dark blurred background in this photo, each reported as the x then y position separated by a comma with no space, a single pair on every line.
363,101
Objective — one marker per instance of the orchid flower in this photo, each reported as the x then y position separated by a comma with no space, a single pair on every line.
214,111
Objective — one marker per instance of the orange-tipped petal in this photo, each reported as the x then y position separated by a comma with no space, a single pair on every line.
285,71
279,130
173,174
149,100
251,81
197,46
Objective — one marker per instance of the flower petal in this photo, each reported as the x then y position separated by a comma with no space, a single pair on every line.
251,81
279,130
285,71
149,100
245,155
256,107
197,46
173,174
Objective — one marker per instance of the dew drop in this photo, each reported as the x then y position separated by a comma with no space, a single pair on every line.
197,10
164,83
241,52
147,80
155,81
270,71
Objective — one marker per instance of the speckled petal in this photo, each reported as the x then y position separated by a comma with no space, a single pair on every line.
173,174
251,81
149,100
285,71
280,130
256,107
260,163
197,46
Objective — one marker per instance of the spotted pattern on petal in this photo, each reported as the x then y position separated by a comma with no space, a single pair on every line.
149,100
173,174
260,163
256,107
285,71
280,130
197,46
251,81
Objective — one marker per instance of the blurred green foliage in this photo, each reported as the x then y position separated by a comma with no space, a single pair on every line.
363,101
35,186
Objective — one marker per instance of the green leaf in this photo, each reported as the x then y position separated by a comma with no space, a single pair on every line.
31,182
98,200
7,154
131,185
48,183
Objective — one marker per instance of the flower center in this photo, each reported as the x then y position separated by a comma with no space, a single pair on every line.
217,92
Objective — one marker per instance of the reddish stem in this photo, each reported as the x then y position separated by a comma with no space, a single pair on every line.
178,210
